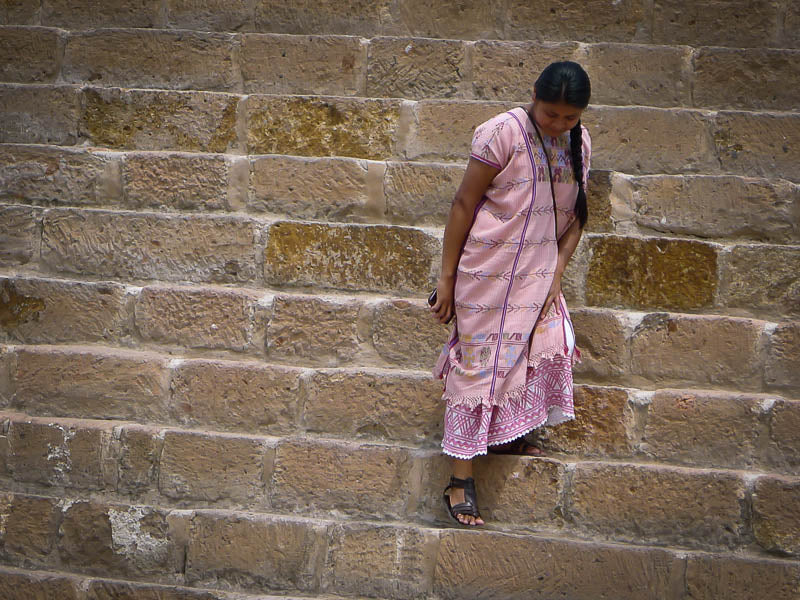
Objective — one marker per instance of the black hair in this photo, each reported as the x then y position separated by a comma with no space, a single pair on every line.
567,82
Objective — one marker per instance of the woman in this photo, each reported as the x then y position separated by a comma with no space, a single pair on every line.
513,226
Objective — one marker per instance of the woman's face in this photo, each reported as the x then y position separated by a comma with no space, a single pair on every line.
555,118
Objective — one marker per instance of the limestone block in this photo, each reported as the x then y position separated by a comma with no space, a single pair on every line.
20,12
791,28
468,19
598,201
19,234
405,333
30,528
27,585
88,14
238,396
30,54
632,272
352,17
211,15
318,64
39,114
159,120
740,578
784,355
783,451
776,514
420,194
573,282
107,589
150,246
140,448
602,339
649,504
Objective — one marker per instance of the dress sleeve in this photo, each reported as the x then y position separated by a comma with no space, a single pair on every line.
492,142
586,141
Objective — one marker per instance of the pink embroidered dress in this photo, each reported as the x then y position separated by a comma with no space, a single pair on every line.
500,381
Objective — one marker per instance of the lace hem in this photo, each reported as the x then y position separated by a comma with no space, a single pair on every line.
472,401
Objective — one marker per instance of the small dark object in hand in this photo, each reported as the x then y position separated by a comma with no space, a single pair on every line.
432,301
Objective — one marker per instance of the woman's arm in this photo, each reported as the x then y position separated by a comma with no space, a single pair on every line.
566,247
473,186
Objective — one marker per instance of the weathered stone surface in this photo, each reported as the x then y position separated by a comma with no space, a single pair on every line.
738,23
87,14
758,144
29,531
211,467
735,578
420,194
632,272
237,396
390,562
51,175
19,234
321,331
327,189
648,504
211,15
91,382
405,333
248,550
465,20
8,367
573,282
31,585
314,126
791,28
783,450
318,64
784,355
351,257
415,68
365,479
598,200
30,54
150,246
712,206
45,311
98,589
39,114
683,349
375,404
534,568
776,514
761,279
354,17
601,337
156,120
702,428
20,12
138,450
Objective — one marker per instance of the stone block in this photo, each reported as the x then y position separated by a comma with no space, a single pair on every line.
375,404
649,504
104,589
784,355
31,585
88,14
405,333
30,525
740,578
351,17
601,336
138,454
30,54
150,246
317,64
20,12
45,311
783,450
350,257
598,193
19,234
465,20
319,126
211,15
573,282
629,272
90,382
791,28
39,114
235,396
159,120
420,194
776,514
674,350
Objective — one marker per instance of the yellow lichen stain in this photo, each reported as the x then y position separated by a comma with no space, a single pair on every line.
16,309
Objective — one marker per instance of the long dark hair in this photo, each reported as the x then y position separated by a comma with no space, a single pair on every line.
567,82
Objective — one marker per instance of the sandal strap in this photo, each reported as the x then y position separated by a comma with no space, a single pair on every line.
465,508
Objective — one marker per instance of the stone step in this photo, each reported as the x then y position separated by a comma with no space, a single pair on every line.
250,552
741,24
415,68
709,142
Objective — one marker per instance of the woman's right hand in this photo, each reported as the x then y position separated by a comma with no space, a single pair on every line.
444,308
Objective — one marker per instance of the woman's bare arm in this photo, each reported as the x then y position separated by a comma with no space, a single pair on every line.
566,247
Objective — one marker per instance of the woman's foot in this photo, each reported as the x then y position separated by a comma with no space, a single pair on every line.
520,447
462,502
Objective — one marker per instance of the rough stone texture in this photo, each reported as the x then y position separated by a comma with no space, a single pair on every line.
156,120
238,396
784,355
197,466
465,20
573,283
45,311
783,450
533,568
8,366
354,17
51,176
761,279
349,257
138,450
650,140
645,75
602,339
88,14
390,562
648,504
631,272
19,234
734,578
791,28
598,192
313,126
135,58
20,12
214,318
375,404
738,23
211,15
30,54
327,189
319,64
712,206
252,551
36,114
420,194
177,182
321,331
697,350
702,428
405,333
29,531
776,514
758,144
359,480
602,415
28,585
91,382
415,68
98,589
150,246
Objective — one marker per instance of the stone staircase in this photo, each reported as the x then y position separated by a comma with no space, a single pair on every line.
219,224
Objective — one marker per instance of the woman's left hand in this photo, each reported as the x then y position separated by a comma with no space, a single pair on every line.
552,297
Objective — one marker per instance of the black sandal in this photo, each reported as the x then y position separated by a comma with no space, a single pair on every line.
470,504
518,447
